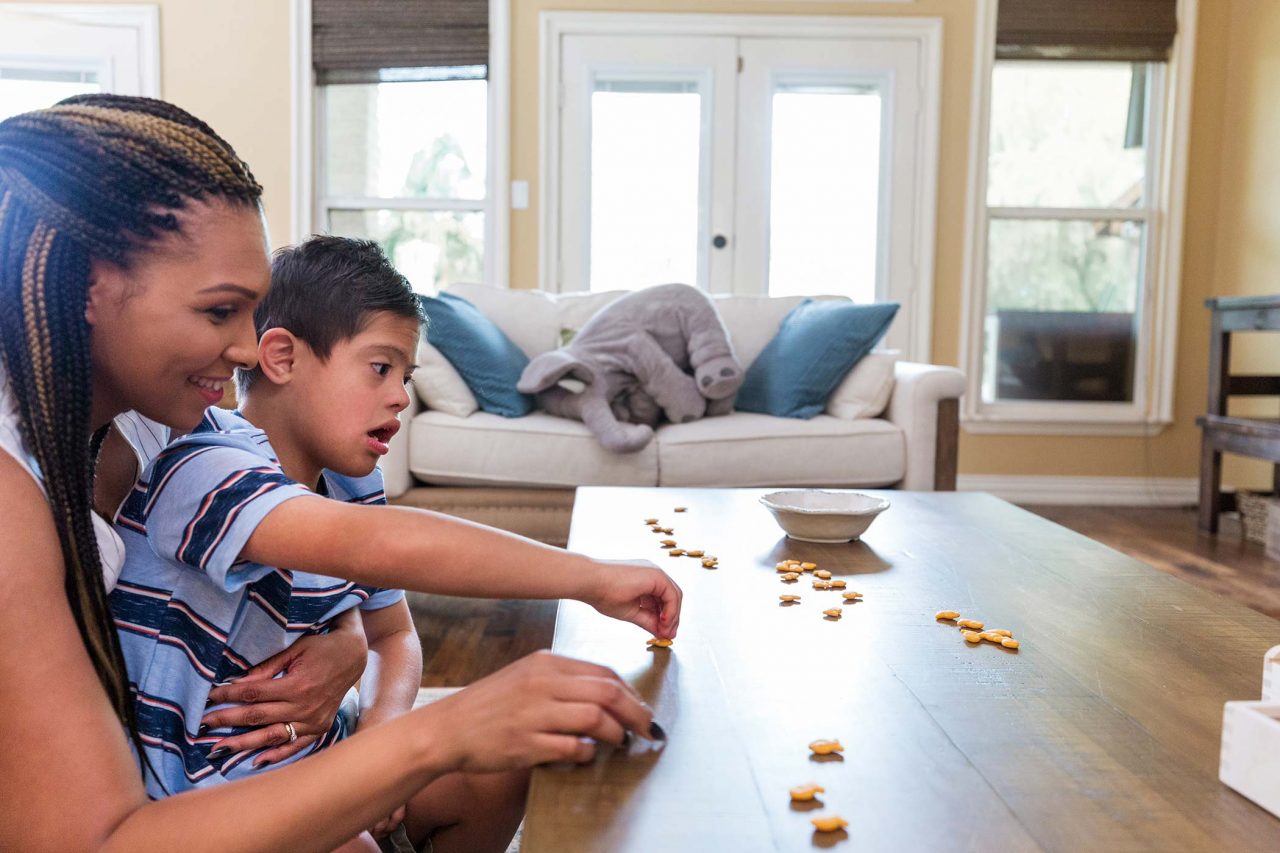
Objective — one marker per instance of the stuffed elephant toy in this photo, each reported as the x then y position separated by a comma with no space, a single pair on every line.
658,351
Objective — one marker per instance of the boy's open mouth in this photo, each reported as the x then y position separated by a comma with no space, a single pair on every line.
382,434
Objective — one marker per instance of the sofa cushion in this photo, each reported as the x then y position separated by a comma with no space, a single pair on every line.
487,359
752,321
536,450
528,317
439,385
747,449
864,392
817,345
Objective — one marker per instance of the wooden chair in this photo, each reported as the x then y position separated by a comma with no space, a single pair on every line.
1223,433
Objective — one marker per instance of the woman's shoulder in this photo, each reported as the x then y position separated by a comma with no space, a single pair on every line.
11,441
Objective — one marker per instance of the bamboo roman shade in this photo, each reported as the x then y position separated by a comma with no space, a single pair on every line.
352,41
1125,30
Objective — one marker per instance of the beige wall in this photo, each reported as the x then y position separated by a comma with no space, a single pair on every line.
228,62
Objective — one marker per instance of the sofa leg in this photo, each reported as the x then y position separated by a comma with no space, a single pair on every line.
947,448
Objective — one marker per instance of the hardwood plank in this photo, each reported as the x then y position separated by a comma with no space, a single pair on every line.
1167,539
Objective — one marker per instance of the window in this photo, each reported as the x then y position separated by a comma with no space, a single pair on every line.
1071,293
26,88
53,52
404,164
403,132
1067,217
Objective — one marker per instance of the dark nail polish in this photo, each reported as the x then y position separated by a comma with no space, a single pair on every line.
656,732
219,752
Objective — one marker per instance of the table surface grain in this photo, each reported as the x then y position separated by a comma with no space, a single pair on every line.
1101,732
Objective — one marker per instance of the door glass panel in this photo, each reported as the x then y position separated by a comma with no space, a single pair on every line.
645,183
1061,318
825,190
25,89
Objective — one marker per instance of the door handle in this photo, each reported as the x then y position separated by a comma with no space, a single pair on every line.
719,241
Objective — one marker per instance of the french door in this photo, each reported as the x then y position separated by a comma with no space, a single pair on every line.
743,164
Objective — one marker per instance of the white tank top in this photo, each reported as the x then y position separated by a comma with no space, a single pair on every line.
146,437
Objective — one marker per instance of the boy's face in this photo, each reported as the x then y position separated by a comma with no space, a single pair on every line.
349,402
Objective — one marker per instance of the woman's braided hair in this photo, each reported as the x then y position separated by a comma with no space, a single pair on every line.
95,176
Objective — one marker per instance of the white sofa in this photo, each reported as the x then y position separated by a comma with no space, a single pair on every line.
519,472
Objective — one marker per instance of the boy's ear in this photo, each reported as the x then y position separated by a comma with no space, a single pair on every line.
277,354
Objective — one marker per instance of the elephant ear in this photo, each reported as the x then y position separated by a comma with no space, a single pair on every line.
549,368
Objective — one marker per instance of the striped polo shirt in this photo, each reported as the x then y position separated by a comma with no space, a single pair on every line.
191,612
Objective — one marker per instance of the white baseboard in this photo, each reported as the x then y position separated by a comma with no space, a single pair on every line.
1102,491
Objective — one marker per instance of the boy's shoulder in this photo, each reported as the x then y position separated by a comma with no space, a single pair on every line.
218,429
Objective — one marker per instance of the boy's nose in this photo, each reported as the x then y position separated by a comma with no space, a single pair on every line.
401,401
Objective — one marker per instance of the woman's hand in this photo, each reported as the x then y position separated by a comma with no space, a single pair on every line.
637,592
318,670
541,709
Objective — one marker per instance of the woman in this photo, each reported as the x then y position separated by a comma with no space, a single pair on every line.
132,253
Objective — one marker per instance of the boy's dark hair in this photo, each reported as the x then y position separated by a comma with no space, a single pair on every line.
325,291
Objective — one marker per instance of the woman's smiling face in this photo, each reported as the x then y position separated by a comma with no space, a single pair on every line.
169,329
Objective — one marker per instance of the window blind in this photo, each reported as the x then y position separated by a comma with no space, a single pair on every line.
1125,30
356,41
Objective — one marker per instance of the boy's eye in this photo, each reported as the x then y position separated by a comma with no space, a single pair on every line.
408,377
381,368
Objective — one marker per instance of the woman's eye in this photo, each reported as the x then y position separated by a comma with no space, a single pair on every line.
220,313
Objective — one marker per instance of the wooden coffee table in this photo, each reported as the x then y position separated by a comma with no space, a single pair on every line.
1100,733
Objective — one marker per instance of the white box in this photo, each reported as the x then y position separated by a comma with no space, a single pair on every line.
1250,758
1271,675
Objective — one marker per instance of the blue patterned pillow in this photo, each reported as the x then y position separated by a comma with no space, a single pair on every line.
817,344
482,354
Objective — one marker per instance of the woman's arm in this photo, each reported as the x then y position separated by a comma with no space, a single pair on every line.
62,748
406,548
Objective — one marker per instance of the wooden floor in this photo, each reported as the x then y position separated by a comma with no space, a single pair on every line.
466,639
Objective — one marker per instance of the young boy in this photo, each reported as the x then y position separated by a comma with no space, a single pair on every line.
235,532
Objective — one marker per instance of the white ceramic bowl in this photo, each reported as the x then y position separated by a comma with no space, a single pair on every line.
813,515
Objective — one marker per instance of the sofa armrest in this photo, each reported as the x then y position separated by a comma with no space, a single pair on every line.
396,478
925,406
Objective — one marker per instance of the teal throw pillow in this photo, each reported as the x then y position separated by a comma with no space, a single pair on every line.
482,354
817,344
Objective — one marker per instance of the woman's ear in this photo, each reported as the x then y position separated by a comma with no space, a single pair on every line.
277,355
106,284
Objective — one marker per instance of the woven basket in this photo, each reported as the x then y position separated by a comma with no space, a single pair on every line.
1273,529
1253,515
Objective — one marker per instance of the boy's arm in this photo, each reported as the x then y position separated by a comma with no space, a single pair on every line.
406,548
393,674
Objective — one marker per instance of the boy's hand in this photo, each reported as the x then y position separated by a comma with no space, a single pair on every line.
637,592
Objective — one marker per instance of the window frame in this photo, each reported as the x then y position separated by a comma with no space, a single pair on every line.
311,207
1168,130
141,20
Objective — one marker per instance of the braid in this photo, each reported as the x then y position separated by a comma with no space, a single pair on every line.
96,176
